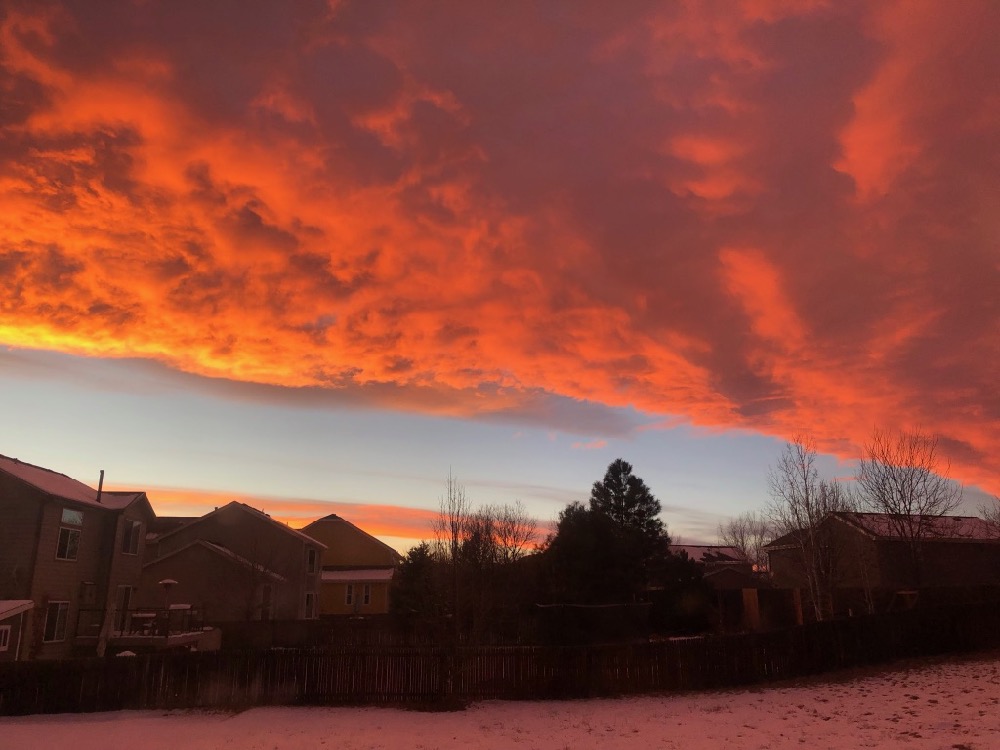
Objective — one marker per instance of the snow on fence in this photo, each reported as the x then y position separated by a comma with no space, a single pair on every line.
425,675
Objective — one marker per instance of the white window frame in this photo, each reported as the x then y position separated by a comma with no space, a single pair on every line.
61,610
366,595
349,594
5,637
63,552
131,535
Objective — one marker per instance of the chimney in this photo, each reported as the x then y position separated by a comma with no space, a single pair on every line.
100,486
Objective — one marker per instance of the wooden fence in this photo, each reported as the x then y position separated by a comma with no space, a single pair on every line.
426,675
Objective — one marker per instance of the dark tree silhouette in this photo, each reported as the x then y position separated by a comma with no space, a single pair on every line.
612,550
627,501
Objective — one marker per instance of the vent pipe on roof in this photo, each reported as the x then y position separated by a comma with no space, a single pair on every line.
100,486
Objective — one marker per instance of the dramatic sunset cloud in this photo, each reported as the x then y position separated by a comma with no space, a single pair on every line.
766,215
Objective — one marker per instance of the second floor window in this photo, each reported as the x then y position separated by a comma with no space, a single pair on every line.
130,537
310,560
349,599
69,543
367,594
69,534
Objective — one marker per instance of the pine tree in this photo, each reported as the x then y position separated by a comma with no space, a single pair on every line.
628,502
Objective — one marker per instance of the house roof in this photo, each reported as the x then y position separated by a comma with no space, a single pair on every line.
365,575
333,518
64,487
885,526
707,553
221,551
935,528
236,505
11,607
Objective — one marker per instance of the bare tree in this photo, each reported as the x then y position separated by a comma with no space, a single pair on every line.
800,501
990,512
515,532
902,476
451,525
748,533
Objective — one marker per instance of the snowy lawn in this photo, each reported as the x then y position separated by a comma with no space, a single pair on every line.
930,704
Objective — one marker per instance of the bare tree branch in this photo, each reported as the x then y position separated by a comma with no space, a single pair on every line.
902,476
748,533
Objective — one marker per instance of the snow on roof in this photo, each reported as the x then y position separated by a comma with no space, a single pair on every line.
934,528
64,487
223,551
366,575
11,607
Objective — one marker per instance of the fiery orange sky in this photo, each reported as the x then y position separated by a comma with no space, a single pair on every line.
768,215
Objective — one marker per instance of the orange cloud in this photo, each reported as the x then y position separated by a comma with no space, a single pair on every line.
772,216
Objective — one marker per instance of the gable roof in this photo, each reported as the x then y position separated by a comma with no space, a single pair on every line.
243,507
66,488
11,607
883,526
221,551
334,519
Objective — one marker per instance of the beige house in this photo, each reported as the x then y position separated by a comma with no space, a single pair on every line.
357,568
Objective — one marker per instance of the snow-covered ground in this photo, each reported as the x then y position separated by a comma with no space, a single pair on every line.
936,705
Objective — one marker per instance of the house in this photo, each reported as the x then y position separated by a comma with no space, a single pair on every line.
724,567
74,551
743,596
877,561
357,568
12,615
233,564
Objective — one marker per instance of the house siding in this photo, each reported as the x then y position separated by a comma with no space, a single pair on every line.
20,518
333,598
251,536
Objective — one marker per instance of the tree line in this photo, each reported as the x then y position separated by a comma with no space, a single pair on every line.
488,570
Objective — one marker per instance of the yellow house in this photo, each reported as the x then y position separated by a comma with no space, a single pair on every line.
357,568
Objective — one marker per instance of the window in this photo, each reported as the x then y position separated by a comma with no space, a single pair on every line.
349,599
55,622
4,637
72,517
69,543
367,595
310,560
130,537
310,605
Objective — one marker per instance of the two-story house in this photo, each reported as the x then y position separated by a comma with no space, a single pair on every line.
74,551
235,563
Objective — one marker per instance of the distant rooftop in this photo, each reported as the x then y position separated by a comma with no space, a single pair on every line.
707,553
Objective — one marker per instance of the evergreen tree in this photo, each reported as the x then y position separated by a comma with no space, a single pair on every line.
628,502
